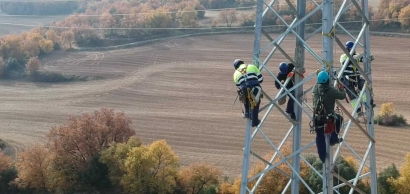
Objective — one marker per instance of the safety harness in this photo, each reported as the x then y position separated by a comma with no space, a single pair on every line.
252,98
320,116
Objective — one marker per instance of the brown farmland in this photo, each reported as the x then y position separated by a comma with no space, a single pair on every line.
181,90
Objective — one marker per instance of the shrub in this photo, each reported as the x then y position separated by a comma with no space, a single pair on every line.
2,144
12,69
51,77
387,118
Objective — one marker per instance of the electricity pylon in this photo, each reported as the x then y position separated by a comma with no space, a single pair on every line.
331,20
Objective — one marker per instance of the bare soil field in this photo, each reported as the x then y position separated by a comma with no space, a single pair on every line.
181,90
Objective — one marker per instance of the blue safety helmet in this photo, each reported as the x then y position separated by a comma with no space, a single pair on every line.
283,68
237,63
349,45
322,77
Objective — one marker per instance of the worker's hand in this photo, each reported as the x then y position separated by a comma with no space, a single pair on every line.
290,74
340,85
317,71
371,57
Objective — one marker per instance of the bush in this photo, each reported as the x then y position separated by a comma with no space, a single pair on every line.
2,144
50,77
12,69
387,118
391,120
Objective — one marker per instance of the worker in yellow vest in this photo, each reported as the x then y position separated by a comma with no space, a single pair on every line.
248,78
351,77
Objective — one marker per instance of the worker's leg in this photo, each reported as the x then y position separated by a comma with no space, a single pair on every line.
255,118
246,103
290,107
321,143
350,89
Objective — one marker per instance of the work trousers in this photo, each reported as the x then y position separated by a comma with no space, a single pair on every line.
320,136
255,112
350,86
290,105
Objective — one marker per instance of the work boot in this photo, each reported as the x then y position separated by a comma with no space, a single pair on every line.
246,116
339,140
359,112
259,122
291,115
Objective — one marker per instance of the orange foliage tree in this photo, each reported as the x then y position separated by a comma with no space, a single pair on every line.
198,176
404,17
33,65
5,162
83,137
33,167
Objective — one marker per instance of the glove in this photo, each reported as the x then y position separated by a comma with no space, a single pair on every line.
317,71
371,57
340,86
290,74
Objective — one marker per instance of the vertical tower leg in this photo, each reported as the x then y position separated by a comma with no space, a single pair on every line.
248,137
327,26
300,60
369,99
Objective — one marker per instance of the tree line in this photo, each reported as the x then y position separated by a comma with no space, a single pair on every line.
99,152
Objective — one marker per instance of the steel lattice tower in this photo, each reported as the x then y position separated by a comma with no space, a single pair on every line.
325,61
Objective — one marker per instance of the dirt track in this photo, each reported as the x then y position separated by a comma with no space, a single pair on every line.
182,91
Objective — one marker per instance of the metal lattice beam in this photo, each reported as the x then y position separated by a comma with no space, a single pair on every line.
330,24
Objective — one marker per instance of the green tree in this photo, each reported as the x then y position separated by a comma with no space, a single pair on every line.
114,158
401,184
150,169
384,179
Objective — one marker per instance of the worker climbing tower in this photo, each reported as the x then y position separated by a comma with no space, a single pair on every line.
333,35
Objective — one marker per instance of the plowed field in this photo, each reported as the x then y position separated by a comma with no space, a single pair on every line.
181,90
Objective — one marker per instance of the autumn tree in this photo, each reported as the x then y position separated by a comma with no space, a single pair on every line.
108,21
33,167
67,37
52,36
198,176
46,46
12,47
187,17
33,65
247,19
82,137
404,17
30,48
5,162
228,17
78,141
401,184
